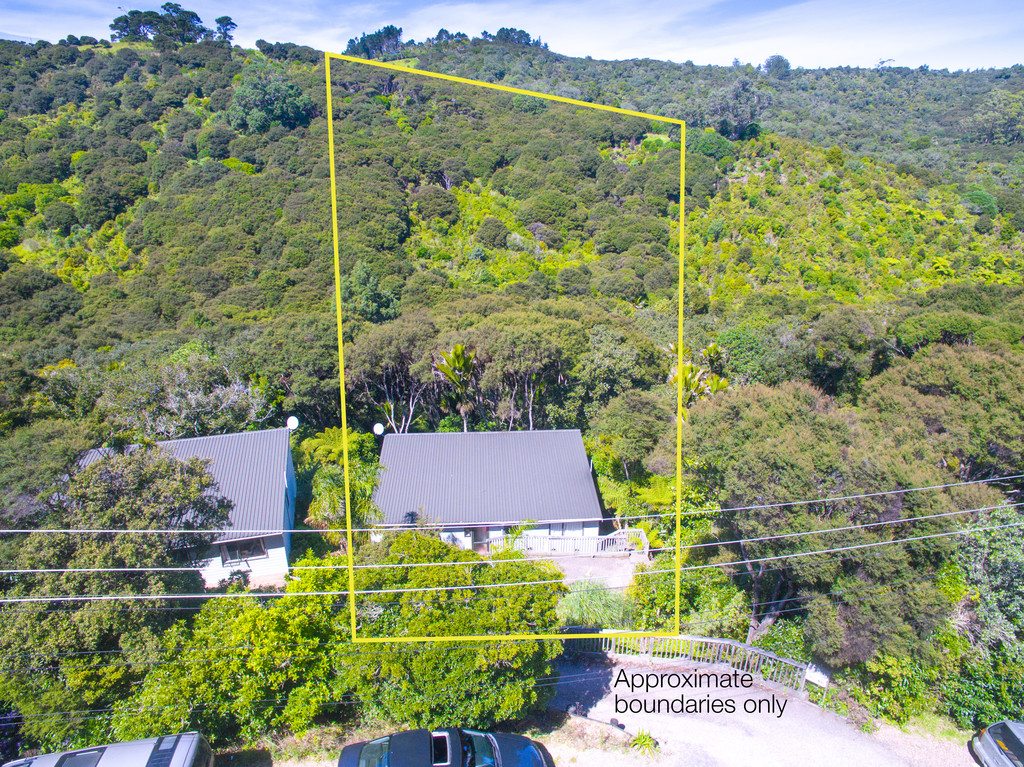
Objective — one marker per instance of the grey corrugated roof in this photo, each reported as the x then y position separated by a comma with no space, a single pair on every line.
504,476
249,468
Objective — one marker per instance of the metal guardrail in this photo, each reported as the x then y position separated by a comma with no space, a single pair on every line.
742,657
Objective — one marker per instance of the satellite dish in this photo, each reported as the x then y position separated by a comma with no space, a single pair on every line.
293,423
378,429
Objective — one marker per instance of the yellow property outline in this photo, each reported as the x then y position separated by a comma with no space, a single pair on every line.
341,355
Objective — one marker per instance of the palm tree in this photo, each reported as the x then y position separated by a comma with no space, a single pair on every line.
459,368
327,508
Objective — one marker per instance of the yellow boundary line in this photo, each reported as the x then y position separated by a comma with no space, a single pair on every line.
341,356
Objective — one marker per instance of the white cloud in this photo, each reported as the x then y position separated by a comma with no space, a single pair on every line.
939,33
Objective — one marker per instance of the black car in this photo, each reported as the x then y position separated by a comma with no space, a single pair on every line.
446,748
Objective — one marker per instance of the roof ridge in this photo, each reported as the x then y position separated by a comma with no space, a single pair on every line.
216,436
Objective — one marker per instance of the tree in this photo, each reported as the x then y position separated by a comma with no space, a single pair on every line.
85,654
776,66
492,233
763,449
225,26
181,25
737,110
175,23
361,292
993,564
245,668
496,680
327,507
633,422
961,403
389,367
615,362
192,393
383,42
60,217
268,95
999,119
525,360
135,26
459,370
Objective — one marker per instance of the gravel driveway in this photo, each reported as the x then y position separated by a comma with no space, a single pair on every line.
767,727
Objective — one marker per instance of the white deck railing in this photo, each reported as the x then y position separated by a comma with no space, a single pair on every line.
619,542
742,657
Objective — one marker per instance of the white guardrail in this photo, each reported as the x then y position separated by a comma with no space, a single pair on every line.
742,657
619,542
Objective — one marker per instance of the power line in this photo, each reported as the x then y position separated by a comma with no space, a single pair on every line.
493,562
840,529
316,650
317,647
139,597
385,528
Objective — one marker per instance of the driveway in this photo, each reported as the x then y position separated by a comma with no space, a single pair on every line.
736,727
615,570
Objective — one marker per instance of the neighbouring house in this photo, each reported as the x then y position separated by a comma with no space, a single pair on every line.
254,470
475,488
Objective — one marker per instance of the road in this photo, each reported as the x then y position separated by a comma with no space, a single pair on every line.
767,727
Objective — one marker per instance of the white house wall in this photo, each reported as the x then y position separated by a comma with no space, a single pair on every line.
289,505
263,571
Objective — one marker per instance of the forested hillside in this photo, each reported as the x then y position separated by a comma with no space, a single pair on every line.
853,300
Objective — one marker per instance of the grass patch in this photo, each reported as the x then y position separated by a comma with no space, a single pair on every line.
937,727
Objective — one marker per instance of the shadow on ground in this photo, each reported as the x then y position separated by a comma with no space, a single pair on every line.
581,684
253,757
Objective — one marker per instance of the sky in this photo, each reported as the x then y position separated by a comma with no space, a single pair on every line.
940,34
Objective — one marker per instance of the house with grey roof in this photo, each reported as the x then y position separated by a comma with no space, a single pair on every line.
254,470
474,487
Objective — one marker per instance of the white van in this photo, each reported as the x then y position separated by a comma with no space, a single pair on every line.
189,749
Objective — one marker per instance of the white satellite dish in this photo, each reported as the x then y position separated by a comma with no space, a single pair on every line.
378,429
293,423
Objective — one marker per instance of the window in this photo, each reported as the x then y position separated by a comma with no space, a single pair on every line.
477,750
238,551
1008,743
375,753
439,747
81,759
204,756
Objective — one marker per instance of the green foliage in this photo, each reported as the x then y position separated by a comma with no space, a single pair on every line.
896,688
163,193
63,655
265,96
960,401
175,24
192,393
383,42
644,743
710,605
785,638
992,563
988,686
592,605
327,505
633,423
777,66
767,446
496,678
492,233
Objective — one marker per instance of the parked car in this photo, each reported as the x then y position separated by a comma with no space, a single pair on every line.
1000,745
189,749
446,748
